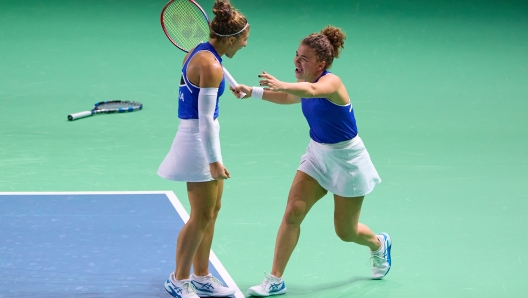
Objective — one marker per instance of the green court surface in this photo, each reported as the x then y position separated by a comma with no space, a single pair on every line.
440,92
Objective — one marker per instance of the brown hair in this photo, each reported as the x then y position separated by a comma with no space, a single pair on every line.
327,44
227,21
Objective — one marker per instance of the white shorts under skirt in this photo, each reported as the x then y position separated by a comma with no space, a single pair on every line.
344,169
186,160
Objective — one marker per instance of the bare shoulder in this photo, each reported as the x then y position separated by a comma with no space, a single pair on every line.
205,58
340,95
210,69
331,78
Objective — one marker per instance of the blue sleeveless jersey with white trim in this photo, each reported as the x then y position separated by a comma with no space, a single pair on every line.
188,93
329,123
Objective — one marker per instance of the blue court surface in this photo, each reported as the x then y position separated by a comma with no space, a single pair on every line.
91,244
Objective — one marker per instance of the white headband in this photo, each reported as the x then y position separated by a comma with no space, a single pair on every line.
247,24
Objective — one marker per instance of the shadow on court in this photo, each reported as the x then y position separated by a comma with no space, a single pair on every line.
359,286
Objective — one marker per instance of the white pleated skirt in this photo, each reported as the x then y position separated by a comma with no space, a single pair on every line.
344,169
186,160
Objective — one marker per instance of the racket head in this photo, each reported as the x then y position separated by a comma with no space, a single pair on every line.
117,106
185,23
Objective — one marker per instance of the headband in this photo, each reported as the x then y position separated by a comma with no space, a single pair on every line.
247,24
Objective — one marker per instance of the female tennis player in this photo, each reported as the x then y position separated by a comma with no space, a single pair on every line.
195,155
336,159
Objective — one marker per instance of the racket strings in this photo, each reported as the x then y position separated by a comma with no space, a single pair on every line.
118,105
185,24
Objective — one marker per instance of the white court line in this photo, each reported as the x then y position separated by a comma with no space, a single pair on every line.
87,193
174,201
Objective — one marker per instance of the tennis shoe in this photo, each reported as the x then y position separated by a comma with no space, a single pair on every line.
210,286
180,288
381,258
271,285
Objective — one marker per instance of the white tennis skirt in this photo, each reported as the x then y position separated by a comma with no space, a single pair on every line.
186,160
344,169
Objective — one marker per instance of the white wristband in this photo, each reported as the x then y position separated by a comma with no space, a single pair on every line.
257,92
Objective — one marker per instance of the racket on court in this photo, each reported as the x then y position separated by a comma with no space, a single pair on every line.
114,106
186,25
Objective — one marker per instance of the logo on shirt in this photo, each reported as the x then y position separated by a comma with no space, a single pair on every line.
181,96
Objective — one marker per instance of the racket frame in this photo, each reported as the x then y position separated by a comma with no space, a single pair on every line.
165,29
134,106
232,82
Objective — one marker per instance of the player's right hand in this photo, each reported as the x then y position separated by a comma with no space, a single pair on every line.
241,88
218,171
271,82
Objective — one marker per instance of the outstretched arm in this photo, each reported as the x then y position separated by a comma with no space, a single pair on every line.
326,87
268,95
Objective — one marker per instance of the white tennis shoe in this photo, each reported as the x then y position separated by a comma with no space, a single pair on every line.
381,259
180,288
210,286
271,285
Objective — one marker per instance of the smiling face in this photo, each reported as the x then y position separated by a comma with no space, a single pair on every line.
237,44
307,67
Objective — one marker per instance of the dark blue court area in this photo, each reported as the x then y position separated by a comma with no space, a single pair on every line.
87,245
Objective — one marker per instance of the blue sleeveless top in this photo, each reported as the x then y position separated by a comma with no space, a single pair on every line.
188,94
329,123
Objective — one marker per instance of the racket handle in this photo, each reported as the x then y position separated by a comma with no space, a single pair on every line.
79,115
232,81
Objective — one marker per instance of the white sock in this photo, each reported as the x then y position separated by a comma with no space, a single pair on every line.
176,281
200,278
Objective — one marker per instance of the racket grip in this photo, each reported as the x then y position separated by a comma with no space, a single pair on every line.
79,115
232,81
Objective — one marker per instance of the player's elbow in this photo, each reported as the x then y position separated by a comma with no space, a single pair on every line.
312,91
292,99
206,123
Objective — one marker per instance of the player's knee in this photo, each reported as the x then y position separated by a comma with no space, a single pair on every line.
347,234
204,217
295,212
217,209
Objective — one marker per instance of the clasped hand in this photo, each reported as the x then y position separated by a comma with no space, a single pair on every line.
267,80
218,171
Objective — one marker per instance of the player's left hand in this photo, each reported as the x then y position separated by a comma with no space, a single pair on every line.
270,81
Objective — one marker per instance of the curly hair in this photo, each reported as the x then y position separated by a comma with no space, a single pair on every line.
327,44
227,21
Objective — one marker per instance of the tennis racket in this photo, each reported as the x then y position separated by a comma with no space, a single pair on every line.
186,25
114,106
